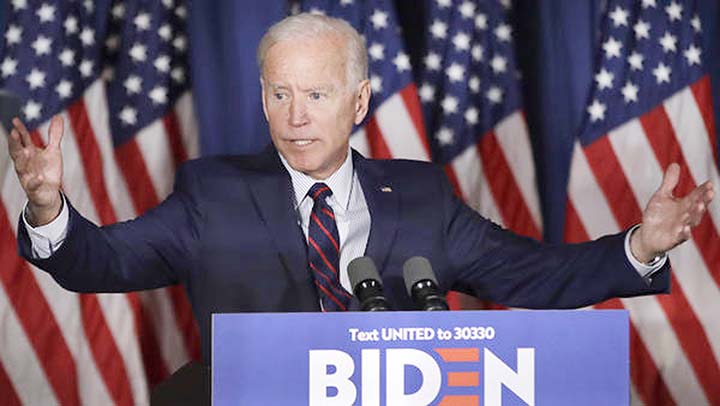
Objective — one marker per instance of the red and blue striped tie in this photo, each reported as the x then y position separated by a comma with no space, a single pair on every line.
324,251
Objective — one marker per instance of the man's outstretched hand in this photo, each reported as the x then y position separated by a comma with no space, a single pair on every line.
668,220
39,170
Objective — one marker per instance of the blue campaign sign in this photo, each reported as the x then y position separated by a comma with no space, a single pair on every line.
487,358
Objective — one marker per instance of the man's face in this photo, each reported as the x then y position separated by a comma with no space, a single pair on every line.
309,104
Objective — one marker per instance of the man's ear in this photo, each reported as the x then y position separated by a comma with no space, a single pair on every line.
362,101
262,90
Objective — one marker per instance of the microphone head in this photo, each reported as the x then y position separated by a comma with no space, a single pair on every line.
417,269
361,269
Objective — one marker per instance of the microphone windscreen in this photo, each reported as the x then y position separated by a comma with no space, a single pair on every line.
361,269
417,269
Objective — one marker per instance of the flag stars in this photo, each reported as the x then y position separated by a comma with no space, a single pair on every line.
612,48
376,51
596,111
467,9
477,53
71,25
87,36
86,68
433,61
674,11
426,93
495,95
474,84
46,13
133,85
112,43
642,30
630,92
89,6
346,2
619,17
662,73
445,136
503,32
379,19
444,3
449,105
158,95
13,35
481,22
498,64
438,29
178,74
138,52
42,45
376,83
649,3
35,79
181,12
128,115
455,72
118,11
692,54
472,116
8,67
695,22
604,79
32,110
402,62
636,61
19,4
64,89
142,21
67,57
180,43
668,42
461,41
165,32
162,63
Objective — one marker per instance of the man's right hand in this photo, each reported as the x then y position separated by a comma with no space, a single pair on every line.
39,170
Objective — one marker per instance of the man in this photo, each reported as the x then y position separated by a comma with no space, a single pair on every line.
275,231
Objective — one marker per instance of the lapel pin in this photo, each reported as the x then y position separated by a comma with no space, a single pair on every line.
386,189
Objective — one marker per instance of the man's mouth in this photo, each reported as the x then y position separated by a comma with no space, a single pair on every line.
302,143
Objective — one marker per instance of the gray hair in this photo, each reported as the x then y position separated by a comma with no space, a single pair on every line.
307,25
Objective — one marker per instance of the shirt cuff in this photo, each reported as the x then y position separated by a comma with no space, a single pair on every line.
46,239
646,270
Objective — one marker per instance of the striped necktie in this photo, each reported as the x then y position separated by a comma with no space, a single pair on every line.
324,251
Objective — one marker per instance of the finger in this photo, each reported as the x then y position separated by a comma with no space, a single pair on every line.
14,144
24,134
55,132
670,180
22,161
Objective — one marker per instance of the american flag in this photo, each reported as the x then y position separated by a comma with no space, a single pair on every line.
651,106
117,72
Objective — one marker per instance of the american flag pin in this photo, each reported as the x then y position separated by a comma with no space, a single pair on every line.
386,189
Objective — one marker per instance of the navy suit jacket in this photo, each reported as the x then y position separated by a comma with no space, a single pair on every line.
230,234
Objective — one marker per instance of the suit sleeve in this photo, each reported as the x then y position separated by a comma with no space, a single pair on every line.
497,265
154,250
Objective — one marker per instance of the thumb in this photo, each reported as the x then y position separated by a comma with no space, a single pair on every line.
670,180
55,132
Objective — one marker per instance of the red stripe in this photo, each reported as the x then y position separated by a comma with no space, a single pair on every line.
132,164
322,255
172,129
454,182
319,191
703,97
508,198
412,105
626,210
325,231
105,352
185,320
328,213
37,139
36,318
8,395
661,135
155,369
644,373
376,142
92,161
337,288
330,295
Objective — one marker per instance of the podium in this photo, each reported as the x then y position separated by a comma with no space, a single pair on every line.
462,358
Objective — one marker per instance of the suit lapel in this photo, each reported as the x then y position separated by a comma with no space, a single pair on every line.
383,204
273,198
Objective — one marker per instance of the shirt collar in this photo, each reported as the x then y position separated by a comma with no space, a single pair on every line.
340,182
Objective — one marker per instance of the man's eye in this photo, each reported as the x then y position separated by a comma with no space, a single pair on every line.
280,96
316,96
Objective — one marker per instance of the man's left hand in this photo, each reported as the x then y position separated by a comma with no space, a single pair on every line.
668,220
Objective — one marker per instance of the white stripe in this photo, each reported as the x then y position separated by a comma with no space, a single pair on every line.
635,396
164,322
185,111
473,185
644,174
645,312
359,142
512,135
398,130
691,133
97,111
20,361
157,155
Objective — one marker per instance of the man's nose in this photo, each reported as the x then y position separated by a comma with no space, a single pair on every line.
298,113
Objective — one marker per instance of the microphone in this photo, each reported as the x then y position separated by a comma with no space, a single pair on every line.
421,284
366,284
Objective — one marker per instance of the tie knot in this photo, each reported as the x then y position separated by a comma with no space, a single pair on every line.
319,191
